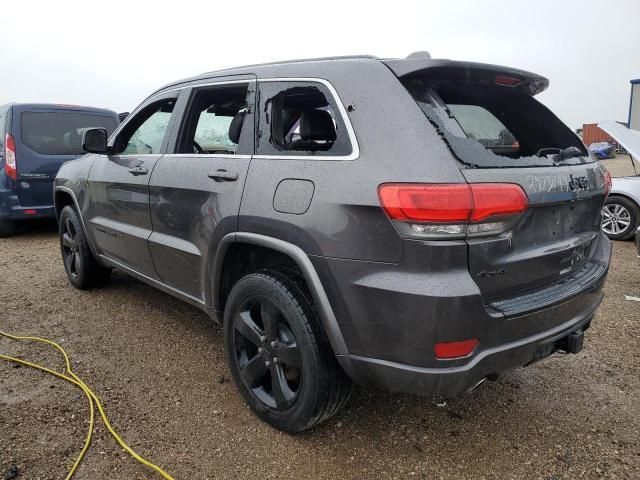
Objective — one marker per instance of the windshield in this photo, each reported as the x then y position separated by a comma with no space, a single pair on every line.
60,133
495,126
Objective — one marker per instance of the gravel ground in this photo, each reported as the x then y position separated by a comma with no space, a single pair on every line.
159,366
621,166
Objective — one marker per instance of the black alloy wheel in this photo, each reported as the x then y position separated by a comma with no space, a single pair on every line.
267,353
278,353
70,248
83,270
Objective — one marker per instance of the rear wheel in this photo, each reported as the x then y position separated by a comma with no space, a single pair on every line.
7,228
279,355
83,270
619,218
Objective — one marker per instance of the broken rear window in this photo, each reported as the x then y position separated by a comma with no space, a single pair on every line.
488,125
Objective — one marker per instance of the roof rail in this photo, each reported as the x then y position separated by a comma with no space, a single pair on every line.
301,60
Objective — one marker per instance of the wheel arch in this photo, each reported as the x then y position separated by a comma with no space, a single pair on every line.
64,196
298,258
635,201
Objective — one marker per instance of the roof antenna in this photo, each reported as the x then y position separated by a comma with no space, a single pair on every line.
422,54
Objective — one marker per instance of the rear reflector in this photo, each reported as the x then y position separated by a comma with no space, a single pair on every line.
451,203
30,212
10,157
450,350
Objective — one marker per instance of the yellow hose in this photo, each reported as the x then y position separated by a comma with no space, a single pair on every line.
92,397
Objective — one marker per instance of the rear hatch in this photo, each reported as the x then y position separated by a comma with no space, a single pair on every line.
501,135
46,137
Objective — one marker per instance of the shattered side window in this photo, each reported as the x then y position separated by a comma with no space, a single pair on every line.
300,118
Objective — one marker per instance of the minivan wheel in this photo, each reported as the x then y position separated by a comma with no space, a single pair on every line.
619,218
7,228
279,356
83,270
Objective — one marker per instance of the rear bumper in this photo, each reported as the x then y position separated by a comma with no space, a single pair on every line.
10,208
638,241
451,381
392,315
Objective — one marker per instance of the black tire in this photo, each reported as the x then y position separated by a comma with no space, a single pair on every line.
305,384
620,218
7,228
83,270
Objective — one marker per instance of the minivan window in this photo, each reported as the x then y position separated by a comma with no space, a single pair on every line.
300,118
60,133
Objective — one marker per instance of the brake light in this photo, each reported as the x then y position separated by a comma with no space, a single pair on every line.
10,157
493,199
451,350
452,209
426,203
507,81
607,183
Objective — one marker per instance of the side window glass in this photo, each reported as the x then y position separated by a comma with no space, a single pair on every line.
215,121
145,132
300,118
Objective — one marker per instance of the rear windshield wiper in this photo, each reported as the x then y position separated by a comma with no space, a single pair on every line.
561,153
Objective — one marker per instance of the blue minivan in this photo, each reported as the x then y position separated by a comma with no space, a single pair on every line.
35,140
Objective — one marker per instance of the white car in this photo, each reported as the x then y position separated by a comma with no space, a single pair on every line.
621,211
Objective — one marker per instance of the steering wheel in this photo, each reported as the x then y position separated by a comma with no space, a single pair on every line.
197,148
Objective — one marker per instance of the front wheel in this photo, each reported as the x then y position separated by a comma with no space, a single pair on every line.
278,354
619,218
83,270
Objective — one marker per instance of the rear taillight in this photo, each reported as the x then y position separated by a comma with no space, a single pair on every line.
607,183
453,209
10,157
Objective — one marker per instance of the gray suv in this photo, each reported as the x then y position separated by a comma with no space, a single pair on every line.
415,224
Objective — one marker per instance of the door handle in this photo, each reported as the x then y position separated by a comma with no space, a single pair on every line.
138,171
223,176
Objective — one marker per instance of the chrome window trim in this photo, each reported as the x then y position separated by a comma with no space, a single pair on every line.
206,155
355,147
177,89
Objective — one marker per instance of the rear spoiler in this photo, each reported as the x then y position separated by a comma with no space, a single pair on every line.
469,72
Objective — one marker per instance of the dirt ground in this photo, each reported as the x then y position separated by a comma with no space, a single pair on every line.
159,366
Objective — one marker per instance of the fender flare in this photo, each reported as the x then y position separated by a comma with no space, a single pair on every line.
327,317
71,193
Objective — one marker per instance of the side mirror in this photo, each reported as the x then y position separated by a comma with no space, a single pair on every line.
94,140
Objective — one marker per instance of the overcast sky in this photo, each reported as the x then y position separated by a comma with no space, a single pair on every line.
113,54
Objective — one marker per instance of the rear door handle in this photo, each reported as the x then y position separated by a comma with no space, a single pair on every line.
223,176
138,171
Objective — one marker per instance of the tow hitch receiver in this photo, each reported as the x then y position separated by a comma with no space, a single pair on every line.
572,343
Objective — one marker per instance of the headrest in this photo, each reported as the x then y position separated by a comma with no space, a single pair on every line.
235,128
317,125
